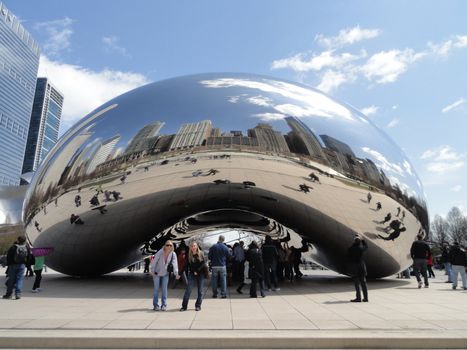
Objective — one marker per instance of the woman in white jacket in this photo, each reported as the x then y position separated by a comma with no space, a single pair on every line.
164,261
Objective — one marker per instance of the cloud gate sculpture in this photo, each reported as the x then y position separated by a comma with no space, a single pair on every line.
189,156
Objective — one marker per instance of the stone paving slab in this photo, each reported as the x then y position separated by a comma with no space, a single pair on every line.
315,310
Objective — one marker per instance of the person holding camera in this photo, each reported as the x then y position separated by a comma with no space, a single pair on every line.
165,263
357,268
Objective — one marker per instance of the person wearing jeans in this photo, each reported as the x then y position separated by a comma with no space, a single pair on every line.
195,269
457,259
165,262
218,255
16,267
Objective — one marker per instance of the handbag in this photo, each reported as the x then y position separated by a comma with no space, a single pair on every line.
206,270
170,265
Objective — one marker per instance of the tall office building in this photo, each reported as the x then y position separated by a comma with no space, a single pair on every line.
102,152
268,138
192,134
142,140
337,146
44,125
19,61
303,138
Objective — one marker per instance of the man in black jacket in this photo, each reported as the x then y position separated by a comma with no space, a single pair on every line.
357,268
17,256
270,258
458,260
419,253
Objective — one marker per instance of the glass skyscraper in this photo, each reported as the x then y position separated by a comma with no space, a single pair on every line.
19,61
44,125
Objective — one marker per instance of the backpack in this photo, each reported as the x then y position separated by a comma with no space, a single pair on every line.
170,266
21,254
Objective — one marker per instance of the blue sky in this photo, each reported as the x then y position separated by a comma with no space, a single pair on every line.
403,63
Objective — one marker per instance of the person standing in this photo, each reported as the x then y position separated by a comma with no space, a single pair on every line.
38,266
255,261
368,197
458,261
17,256
238,261
419,253
195,270
218,255
270,258
430,266
357,268
165,263
446,263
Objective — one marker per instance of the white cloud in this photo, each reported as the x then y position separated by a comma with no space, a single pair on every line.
333,69
457,188
270,116
260,101
395,107
326,59
371,110
347,36
443,159
233,99
393,123
386,66
444,49
383,162
111,46
332,79
454,106
85,89
308,103
59,33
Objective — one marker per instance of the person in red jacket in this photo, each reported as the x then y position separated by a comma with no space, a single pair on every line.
430,265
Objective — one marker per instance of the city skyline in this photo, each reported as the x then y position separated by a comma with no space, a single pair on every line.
350,51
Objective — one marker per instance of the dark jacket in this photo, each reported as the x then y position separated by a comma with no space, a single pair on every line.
445,255
270,254
10,255
355,257
255,260
218,254
419,250
457,256
196,265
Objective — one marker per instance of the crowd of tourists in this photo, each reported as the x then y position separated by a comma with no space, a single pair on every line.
266,266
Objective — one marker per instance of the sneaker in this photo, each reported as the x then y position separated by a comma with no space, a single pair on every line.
426,285
157,308
17,297
183,309
276,289
355,300
420,284
224,296
39,289
239,291
198,308
454,287
365,300
163,308
6,296
35,291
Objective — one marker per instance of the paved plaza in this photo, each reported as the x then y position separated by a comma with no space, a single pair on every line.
316,307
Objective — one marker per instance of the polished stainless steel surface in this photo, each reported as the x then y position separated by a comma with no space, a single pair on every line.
186,156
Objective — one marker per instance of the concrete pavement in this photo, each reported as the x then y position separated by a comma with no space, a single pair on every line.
116,311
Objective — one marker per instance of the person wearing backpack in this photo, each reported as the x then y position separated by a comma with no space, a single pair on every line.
165,263
17,256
